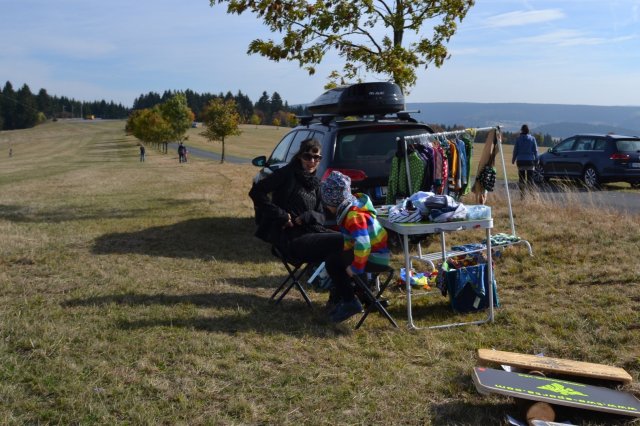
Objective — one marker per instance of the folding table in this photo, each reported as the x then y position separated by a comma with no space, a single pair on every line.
406,229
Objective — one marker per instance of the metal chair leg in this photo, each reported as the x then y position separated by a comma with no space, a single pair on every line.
294,274
375,300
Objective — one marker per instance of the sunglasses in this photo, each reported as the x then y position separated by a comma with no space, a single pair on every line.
311,157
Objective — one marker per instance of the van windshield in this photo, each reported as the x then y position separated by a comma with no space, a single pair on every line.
370,149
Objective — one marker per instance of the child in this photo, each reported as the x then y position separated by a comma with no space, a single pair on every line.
365,242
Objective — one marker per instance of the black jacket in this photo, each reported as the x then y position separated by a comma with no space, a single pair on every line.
284,193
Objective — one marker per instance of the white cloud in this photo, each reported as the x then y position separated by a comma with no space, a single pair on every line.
519,18
568,38
561,38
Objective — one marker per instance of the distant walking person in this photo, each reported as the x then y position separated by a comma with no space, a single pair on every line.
142,151
10,152
525,155
182,153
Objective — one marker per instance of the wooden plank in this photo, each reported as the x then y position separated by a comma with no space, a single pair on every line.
555,365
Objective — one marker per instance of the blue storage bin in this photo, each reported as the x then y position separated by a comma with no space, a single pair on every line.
468,288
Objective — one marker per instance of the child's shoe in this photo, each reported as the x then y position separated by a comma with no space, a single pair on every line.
346,310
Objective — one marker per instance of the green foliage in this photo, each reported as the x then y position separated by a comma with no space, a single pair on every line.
176,112
368,35
255,119
149,126
165,122
221,119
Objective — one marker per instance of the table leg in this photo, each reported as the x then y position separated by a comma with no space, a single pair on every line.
407,280
490,273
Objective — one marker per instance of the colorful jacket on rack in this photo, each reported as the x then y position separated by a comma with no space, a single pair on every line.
442,169
462,161
363,234
452,158
468,143
398,186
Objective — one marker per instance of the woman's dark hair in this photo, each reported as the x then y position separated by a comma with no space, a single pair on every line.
524,129
308,145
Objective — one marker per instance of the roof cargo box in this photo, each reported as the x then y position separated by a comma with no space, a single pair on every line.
360,99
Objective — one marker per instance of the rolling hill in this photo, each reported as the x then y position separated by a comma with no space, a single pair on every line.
554,119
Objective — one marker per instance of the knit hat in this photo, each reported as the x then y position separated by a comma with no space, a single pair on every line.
336,189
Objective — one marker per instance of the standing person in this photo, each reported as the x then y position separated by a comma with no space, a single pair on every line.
525,155
182,153
142,151
365,242
289,211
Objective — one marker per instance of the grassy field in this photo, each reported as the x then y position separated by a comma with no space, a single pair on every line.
135,293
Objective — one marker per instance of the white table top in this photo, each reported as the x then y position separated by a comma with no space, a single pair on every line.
434,227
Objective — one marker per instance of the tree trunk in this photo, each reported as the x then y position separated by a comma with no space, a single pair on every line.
222,156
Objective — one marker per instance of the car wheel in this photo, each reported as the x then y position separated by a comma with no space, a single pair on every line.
538,175
590,178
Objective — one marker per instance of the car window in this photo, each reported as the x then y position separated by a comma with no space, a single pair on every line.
628,145
295,145
585,144
565,145
370,149
279,153
600,144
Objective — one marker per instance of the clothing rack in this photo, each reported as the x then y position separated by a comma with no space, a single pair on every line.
473,130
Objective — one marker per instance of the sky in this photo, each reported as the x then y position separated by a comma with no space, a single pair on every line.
554,52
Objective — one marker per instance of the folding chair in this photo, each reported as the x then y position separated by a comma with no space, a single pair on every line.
295,270
374,301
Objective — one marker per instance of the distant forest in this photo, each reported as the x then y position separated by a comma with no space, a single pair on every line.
21,109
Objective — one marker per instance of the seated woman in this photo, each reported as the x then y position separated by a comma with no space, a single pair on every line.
289,209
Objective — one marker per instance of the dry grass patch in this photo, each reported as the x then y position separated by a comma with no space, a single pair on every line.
136,293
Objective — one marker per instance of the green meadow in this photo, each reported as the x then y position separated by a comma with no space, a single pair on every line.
135,293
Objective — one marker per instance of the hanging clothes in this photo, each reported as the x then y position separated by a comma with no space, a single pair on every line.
398,186
454,167
442,169
468,142
463,165
426,153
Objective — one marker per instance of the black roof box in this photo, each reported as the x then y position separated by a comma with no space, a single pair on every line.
360,99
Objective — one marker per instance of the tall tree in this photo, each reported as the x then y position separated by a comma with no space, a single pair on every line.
176,112
221,119
43,102
264,105
369,35
8,106
26,108
245,106
149,126
276,102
